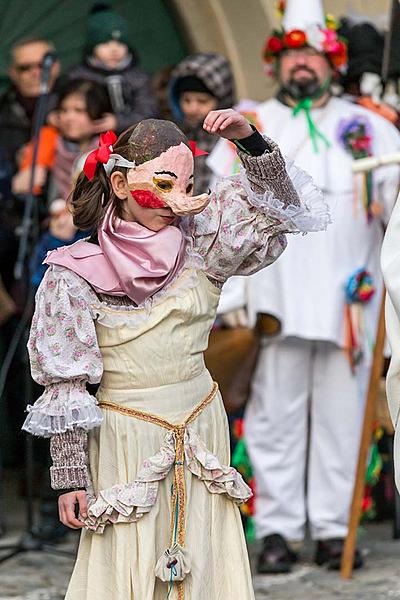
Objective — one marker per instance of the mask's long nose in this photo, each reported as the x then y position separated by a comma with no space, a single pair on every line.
187,205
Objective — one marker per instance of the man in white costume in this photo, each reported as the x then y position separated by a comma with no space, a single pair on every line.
304,416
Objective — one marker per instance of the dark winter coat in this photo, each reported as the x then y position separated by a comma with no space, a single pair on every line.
15,123
215,72
129,88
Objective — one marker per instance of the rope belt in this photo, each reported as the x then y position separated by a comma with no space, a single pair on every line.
179,488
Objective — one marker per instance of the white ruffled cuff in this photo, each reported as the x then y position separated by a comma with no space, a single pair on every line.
312,214
62,407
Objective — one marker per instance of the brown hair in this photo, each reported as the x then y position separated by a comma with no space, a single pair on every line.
140,143
94,94
27,41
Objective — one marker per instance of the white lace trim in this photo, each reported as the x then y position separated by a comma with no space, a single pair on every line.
62,407
127,503
313,213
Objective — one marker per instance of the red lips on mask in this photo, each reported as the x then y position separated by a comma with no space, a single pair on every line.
147,199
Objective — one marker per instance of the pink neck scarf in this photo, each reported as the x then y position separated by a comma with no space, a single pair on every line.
131,260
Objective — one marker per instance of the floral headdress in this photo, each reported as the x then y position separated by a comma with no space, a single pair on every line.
323,39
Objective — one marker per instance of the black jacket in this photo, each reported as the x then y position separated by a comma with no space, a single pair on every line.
130,91
15,123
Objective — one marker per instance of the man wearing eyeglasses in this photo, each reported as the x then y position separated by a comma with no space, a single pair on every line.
17,105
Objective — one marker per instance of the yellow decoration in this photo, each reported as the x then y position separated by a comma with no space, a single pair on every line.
280,8
331,22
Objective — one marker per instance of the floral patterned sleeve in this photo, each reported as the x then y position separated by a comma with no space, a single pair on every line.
243,228
64,356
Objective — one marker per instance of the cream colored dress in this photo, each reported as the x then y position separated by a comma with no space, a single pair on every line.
150,358
159,368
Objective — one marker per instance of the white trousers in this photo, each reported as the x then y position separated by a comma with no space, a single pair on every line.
302,426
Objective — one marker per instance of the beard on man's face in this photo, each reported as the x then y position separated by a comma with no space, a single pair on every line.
302,86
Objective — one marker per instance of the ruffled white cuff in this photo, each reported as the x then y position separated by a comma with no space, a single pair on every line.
312,214
62,407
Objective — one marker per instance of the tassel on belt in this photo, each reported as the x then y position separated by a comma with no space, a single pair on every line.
178,513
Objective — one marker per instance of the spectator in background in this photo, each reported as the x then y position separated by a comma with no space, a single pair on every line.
160,86
111,61
81,105
17,107
17,104
199,84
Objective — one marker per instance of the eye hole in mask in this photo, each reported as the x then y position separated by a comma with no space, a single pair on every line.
164,185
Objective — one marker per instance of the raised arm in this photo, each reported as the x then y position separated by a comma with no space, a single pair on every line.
243,228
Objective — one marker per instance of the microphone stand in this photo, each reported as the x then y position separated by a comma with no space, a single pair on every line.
29,233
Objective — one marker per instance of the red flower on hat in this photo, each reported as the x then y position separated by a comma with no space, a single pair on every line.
274,44
339,58
295,39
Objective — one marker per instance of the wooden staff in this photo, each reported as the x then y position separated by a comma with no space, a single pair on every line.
349,548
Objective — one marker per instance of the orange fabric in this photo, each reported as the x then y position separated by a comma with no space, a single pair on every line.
46,152
382,109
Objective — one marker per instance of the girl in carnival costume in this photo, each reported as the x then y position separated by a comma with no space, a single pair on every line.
143,467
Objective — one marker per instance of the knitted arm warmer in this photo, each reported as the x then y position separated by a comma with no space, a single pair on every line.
69,454
268,172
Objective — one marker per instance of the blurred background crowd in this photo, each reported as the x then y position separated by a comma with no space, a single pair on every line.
119,63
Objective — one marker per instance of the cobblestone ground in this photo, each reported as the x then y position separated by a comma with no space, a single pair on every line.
42,576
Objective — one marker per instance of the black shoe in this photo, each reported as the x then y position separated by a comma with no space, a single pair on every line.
276,556
329,553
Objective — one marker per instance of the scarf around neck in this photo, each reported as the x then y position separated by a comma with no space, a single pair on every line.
130,259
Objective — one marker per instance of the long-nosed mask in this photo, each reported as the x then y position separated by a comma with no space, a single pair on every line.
167,181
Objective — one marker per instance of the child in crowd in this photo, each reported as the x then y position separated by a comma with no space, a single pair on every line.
111,61
131,308
81,104
199,84
61,232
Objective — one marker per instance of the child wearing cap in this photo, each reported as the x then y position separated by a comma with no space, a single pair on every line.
110,60
200,83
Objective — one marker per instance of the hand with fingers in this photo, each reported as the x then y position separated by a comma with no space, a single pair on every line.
228,124
66,508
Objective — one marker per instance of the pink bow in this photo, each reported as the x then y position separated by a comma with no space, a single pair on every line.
102,154
195,150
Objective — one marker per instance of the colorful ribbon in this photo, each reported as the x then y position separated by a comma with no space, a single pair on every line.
306,105
359,287
178,515
359,290
101,154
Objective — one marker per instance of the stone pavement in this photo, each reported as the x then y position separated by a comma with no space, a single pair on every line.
42,576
